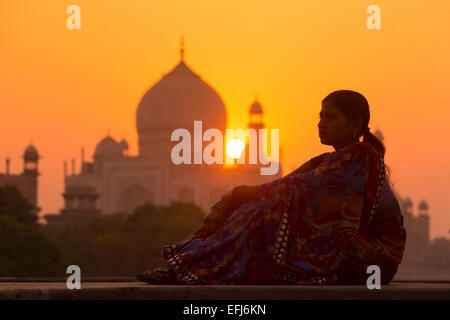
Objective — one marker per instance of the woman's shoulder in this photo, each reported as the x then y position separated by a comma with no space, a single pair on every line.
364,147
353,152
317,160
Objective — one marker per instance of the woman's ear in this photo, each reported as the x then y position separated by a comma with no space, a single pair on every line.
358,124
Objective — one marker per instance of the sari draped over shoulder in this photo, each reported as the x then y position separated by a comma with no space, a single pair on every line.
303,230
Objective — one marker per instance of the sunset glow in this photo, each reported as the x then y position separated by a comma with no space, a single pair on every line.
234,148
66,89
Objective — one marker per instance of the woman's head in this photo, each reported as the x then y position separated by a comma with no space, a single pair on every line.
344,118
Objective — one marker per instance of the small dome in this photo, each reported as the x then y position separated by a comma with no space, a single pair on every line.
108,148
31,153
423,205
408,203
256,107
123,144
379,135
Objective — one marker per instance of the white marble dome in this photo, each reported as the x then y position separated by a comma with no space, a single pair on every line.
176,100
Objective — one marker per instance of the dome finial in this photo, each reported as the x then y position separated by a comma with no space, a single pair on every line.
182,48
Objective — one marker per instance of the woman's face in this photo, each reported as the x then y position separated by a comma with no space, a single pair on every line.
334,128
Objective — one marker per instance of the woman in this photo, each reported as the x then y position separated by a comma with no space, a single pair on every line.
324,223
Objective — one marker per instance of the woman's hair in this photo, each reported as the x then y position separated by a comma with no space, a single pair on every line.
353,105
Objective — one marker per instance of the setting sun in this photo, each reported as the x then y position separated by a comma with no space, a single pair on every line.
234,148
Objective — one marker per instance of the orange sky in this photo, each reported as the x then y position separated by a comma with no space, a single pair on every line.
62,89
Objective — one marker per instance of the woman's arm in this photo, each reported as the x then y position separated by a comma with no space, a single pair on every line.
229,202
308,165
253,192
244,193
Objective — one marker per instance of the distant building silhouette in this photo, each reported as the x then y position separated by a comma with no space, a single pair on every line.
418,236
116,182
417,232
27,181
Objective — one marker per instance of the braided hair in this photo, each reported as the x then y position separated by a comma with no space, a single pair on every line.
354,105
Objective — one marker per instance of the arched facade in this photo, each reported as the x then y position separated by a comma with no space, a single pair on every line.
133,197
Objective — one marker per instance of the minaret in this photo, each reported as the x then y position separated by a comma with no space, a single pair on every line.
31,158
423,208
30,171
256,123
256,115
423,221
73,166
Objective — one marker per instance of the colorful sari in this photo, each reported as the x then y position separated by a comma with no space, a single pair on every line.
306,228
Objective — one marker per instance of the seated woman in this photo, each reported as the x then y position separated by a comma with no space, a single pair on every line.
324,223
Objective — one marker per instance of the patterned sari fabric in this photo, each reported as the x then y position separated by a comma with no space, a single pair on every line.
381,243
305,229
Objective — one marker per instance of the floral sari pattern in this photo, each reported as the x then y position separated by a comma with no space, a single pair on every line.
305,225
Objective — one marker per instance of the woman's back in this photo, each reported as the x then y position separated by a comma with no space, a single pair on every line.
381,242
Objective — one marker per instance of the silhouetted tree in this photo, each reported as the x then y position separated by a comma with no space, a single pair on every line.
25,251
125,244
14,204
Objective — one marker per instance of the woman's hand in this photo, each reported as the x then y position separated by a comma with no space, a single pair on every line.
214,219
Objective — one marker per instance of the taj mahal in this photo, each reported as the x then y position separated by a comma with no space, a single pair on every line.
117,182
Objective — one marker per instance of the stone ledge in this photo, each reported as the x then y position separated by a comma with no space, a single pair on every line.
143,291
